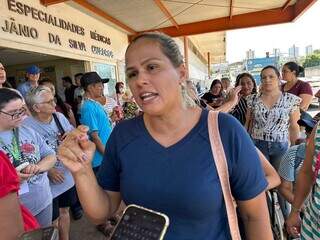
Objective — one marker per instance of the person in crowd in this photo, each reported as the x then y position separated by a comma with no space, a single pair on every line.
78,95
52,126
130,107
14,217
290,73
155,157
94,116
226,86
110,106
291,163
69,89
272,117
3,77
61,106
32,75
119,93
227,106
78,92
214,97
248,87
307,184
27,150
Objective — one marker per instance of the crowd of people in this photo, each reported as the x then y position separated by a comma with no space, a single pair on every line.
149,145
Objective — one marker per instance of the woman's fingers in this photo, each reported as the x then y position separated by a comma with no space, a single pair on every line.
24,176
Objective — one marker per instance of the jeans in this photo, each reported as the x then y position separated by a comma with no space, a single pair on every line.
273,151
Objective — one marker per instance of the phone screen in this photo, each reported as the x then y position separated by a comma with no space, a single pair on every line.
140,223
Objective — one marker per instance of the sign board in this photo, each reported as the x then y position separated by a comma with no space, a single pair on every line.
60,30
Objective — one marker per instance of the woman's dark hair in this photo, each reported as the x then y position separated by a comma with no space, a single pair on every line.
242,75
215,82
167,45
294,67
7,95
272,67
117,87
60,103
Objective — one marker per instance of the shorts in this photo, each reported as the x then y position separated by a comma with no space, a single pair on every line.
64,200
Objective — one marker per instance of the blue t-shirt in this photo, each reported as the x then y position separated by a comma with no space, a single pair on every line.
181,180
94,116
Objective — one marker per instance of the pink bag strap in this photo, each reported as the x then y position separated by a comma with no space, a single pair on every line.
222,169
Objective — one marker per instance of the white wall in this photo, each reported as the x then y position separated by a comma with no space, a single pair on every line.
67,13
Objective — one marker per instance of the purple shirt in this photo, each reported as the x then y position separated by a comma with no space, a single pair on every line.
299,88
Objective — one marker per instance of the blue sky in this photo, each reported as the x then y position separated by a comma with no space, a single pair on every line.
304,31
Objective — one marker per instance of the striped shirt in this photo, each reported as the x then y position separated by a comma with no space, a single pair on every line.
290,164
310,228
240,110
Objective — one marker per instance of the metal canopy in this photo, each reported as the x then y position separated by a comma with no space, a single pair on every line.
192,17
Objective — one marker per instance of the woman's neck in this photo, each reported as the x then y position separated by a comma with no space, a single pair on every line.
173,121
45,118
272,93
291,83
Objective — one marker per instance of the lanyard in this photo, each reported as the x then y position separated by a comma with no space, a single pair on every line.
15,151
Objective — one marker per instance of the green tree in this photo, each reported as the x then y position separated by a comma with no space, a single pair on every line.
312,60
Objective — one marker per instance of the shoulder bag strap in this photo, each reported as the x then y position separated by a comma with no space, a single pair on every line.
57,121
222,169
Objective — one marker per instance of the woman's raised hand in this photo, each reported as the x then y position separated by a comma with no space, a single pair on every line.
76,151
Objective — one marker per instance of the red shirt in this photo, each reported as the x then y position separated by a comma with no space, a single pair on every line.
9,182
299,88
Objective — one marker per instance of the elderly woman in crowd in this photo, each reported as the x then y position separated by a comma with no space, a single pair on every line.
163,160
272,117
29,154
52,126
61,106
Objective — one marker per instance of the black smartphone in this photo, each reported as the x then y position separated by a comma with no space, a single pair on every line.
140,223
48,233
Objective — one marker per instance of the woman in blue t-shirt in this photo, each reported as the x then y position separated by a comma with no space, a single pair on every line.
162,160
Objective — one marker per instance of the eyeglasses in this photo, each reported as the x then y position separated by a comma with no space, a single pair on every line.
51,102
19,113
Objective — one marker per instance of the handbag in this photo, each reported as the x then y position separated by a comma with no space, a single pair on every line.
222,169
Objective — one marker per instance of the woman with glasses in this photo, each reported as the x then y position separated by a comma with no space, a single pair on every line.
61,106
290,73
52,126
29,154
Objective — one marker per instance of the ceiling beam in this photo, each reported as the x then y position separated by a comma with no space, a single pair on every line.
104,15
285,5
253,19
231,9
301,6
166,12
51,2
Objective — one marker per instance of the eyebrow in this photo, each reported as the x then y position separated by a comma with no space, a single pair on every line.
143,62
